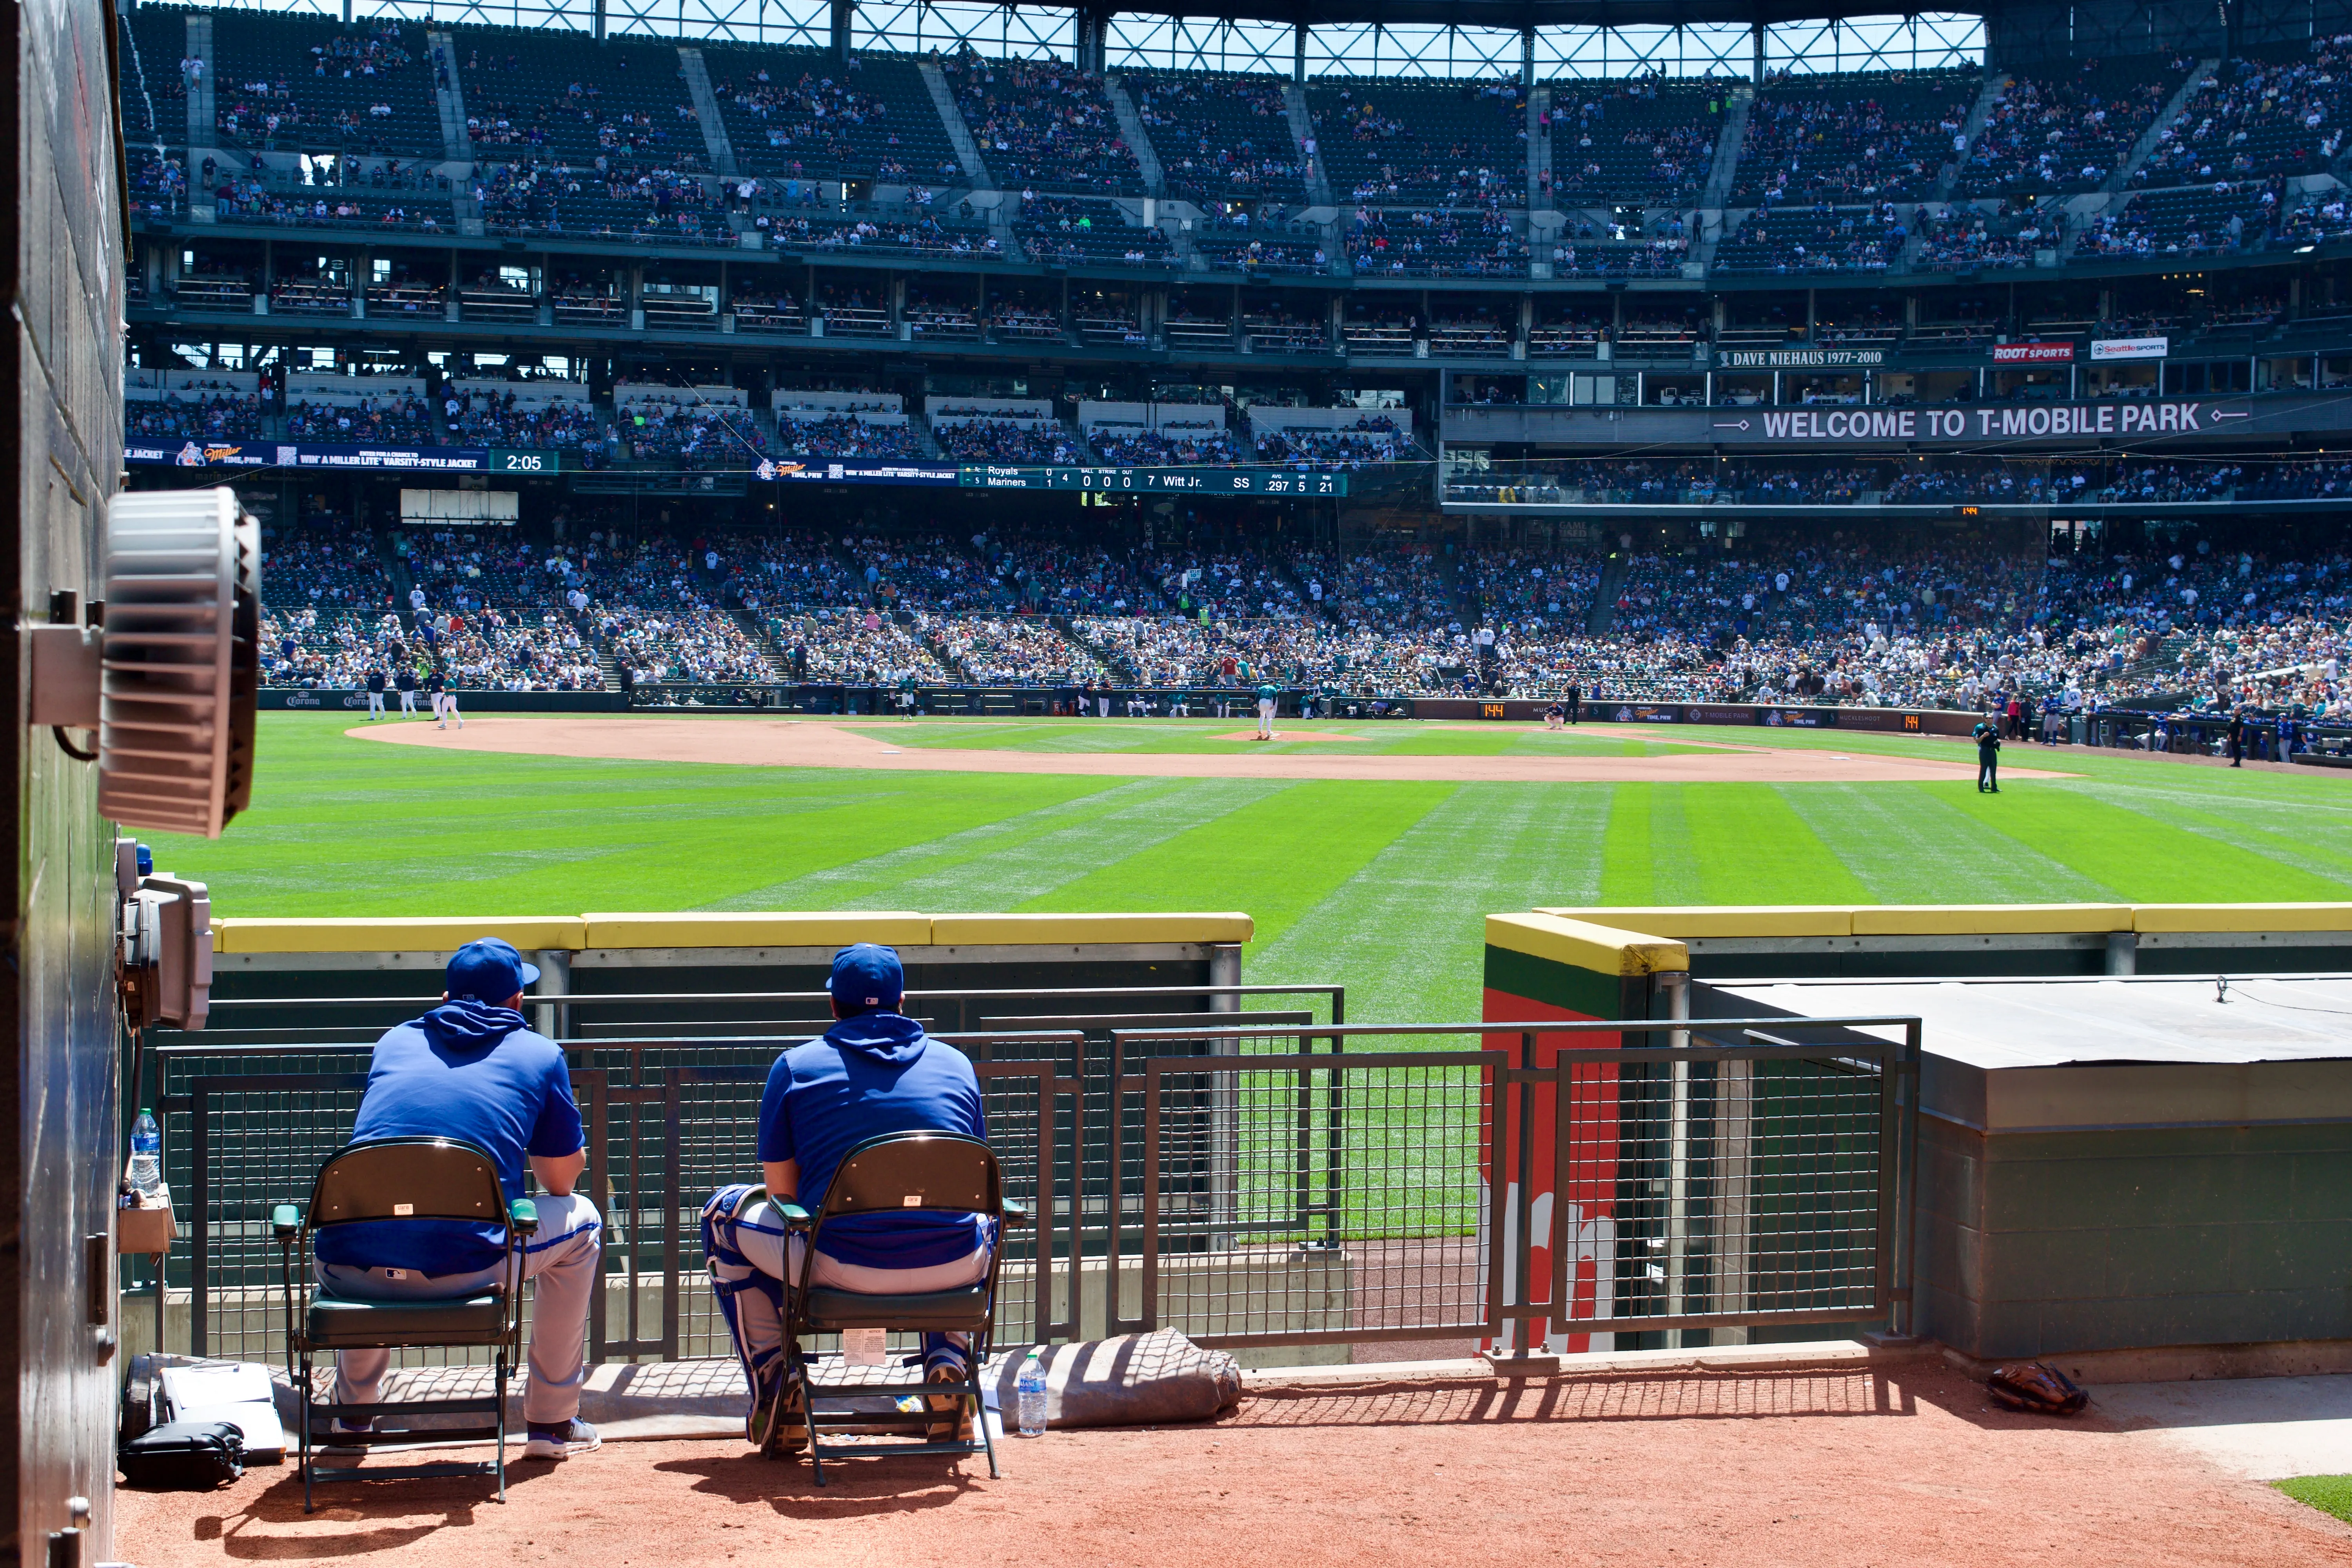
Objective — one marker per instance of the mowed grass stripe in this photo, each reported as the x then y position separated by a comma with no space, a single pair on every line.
1628,877
2317,849
1006,880
1291,850
1907,842
1647,854
2145,860
870,881
1407,933
1750,847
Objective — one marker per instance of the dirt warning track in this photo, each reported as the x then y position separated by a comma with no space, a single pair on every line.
792,743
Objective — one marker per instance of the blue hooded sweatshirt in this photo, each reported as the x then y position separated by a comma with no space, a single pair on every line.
872,1074
470,1070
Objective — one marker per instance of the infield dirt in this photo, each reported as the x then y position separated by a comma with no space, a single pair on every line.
799,743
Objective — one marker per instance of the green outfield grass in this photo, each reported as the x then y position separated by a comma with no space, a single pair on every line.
1381,884
2329,1494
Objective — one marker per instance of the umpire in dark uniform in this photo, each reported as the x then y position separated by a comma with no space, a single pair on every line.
1575,704
1987,739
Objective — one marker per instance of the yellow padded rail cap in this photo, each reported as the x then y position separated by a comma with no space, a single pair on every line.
1685,921
1989,919
1606,950
1031,931
891,928
2242,917
428,934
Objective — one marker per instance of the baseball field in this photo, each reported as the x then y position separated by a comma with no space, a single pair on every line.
1365,851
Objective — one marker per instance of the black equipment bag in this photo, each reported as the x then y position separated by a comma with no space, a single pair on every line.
184,1456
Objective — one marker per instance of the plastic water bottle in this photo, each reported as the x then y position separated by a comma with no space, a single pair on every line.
1031,1390
146,1172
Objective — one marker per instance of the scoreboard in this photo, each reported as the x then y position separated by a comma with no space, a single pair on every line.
1261,481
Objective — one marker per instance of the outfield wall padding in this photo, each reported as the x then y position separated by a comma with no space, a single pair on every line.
1543,968
1865,941
1026,956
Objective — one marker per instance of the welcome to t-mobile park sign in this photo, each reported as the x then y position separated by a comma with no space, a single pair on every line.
2120,421
1986,424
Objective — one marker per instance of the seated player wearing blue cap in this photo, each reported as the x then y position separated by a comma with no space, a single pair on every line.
471,1070
874,1071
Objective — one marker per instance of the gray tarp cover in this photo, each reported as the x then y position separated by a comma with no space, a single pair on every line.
1135,1380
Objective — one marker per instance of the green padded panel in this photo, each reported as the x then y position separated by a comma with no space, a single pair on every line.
936,1309
338,1324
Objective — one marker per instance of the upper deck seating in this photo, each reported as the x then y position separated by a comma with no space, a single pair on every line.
1848,137
1412,142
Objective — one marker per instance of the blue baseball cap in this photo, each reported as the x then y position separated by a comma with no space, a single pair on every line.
488,970
865,977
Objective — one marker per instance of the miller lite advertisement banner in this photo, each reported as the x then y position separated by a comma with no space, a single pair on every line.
205,452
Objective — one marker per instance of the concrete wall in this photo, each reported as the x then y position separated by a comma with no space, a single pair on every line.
60,366
2042,1243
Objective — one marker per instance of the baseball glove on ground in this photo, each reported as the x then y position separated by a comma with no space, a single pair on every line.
2037,1387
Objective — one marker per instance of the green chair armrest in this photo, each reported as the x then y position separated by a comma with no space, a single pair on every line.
1017,1213
523,1215
285,1220
797,1218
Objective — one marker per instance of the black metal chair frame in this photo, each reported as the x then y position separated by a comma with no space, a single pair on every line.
868,1181
430,1194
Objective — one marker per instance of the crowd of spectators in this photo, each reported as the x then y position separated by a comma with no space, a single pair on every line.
2049,133
809,434
1174,446
986,440
1041,122
479,418
1899,615
2257,116
858,646
1819,239
1219,136
693,435
1012,650
1831,140
399,417
1443,242
217,416
1372,439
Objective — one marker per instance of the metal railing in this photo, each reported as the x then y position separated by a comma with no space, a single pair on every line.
1553,1181
1521,1191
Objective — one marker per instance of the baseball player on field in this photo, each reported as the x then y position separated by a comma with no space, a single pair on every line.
1267,697
444,701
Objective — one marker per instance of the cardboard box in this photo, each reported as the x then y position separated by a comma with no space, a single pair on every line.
146,1230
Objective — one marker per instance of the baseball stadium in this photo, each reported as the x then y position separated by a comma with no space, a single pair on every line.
1447,778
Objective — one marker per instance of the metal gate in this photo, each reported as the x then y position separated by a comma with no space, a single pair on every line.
1531,1194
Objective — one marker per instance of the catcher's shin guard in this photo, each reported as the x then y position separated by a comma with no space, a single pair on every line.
751,1301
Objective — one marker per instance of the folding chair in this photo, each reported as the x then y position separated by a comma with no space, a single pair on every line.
898,1171
402,1180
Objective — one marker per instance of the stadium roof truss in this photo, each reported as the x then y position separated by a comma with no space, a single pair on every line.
1456,38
